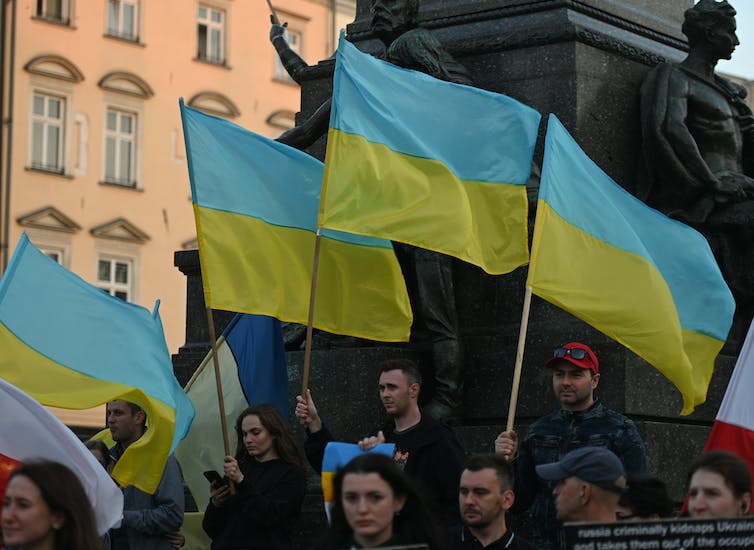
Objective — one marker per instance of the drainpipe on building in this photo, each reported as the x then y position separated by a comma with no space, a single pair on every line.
8,130
333,21
3,9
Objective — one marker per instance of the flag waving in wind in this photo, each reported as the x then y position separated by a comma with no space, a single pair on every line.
29,431
255,203
733,429
69,344
647,281
435,164
251,354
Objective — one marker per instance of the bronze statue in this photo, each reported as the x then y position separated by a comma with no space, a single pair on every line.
698,148
428,274
292,62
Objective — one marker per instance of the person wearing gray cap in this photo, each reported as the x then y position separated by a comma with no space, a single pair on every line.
589,480
581,421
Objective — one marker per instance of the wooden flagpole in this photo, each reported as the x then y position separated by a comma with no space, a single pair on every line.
219,387
218,380
310,320
519,359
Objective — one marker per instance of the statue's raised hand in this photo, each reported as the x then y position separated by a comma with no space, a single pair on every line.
277,29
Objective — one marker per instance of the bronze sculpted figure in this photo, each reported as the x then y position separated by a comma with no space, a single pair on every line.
698,148
428,275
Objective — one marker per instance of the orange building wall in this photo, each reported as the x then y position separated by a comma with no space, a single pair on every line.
163,58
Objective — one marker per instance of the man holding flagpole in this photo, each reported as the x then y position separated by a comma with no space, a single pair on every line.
147,519
581,421
428,274
425,449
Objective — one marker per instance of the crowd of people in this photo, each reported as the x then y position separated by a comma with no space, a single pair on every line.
584,462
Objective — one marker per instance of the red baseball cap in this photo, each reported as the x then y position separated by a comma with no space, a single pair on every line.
585,358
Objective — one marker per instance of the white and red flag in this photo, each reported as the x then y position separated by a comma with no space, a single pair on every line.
28,431
733,429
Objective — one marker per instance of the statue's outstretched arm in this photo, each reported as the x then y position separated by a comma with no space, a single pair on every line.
292,62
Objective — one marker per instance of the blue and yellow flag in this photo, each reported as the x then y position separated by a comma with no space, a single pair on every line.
255,203
251,355
426,162
647,281
69,344
336,456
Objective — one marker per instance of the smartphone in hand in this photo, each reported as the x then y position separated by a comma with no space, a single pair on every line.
212,475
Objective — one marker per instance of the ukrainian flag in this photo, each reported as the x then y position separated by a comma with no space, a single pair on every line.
69,344
251,355
426,162
336,456
647,281
255,203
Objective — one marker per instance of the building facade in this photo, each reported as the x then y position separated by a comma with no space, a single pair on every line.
93,162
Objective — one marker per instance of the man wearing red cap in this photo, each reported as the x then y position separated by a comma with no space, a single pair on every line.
581,421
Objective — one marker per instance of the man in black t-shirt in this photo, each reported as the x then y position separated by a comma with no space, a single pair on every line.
427,450
485,495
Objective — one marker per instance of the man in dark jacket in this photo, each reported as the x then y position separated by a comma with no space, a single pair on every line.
580,422
427,450
150,522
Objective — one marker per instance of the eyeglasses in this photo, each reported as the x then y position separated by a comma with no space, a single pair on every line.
576,353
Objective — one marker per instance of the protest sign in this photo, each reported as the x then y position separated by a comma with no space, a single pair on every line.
677,534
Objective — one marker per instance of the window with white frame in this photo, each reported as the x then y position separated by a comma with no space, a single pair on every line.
115,276
54,10
47,125
54,254
120,147
123,19
211,34
294,39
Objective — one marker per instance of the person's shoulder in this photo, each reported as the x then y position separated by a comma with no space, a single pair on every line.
172,460
616,418
521,543
172,467
555,417
288,468
272,464
435,427
431,432
612,413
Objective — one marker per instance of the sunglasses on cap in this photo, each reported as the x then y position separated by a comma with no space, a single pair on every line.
576,353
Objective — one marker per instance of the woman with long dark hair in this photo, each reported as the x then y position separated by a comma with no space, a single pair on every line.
268,479
375,506
45,508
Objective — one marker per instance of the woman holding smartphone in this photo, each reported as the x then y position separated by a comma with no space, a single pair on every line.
268,478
